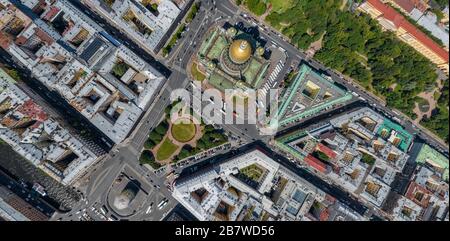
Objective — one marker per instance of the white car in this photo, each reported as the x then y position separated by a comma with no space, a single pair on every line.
163,204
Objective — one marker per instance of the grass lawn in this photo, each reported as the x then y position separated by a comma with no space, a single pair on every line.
183,132
196,73
166,150
281,5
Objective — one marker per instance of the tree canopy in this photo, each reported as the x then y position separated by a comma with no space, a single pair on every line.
356,46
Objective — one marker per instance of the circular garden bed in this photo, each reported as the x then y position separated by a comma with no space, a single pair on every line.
183,132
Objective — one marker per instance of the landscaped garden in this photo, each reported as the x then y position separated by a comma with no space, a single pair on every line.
198,76
148,158
171,142
211,138
251,175
424,105
166,150
320,155
119,69
253,172
368,159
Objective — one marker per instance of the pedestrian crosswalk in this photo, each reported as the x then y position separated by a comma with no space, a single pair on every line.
271,82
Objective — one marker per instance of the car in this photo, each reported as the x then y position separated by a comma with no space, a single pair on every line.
163,203
150,208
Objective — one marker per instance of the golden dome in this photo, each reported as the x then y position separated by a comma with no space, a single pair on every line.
240,51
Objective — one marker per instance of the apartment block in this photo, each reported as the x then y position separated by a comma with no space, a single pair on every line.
147,21
71,54
32,133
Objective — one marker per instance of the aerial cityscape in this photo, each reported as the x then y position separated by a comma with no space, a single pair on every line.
224,110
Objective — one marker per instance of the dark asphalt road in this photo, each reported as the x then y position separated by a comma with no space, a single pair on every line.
32,198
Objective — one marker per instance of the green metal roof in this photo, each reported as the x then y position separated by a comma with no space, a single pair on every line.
430,155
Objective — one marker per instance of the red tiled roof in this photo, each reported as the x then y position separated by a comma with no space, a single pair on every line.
316,163
51,13
324,215
44,36
330,198
25,208
421,5
5,41
326,150
407,5
413,189
21,40
399,21
31,109
41,5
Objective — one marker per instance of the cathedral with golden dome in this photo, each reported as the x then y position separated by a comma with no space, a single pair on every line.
232,58
240,51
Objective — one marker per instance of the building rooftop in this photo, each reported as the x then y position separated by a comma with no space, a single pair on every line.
349,150
309,94
401,22
97,44
103,80
149,26
407,5
432,156
251,186
31,132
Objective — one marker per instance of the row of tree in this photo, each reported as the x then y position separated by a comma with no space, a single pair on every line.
157,135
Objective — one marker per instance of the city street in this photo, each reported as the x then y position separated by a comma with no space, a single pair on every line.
127,154
124,157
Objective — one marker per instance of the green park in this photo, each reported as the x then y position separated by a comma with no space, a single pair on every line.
171,142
